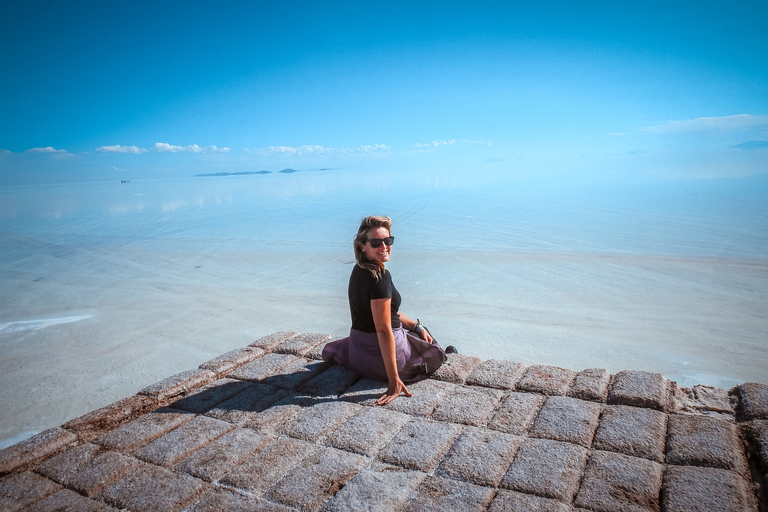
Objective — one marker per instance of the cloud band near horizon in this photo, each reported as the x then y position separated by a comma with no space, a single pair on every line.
722,123
162,147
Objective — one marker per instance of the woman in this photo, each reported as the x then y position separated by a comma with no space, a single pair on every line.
378,347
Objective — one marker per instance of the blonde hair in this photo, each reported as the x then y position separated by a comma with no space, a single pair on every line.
374,221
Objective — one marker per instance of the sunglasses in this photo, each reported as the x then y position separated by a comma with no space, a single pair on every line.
376,242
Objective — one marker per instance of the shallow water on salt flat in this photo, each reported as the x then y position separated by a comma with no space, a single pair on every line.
108,287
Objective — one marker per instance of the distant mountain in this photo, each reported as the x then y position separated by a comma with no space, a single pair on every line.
287,171
752,144
241,173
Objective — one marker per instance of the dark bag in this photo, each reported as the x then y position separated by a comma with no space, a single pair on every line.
426,358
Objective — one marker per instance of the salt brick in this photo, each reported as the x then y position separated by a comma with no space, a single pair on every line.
496,373
703,441
758,436
332,382
420,444
709,398
271,420
66,500
316,421
377,488
263,367
634,431
247,405
35,448
232,359
144,429
567,419
426,395
367,432
517,412
266,467
468,405
317,351
365,392
445,495
174,446
218,457
295,374
203,399
479,456
613,481
301,344
754,400
548,380
591,384
112,415
546,468
457,368
178,384
88,468
310,484
511,501
640,389
222,500
151,488
694,489
272,340
18,491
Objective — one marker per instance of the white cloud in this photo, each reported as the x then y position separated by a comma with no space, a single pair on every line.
163,147
724,123
48,149
122,149
290,150
434,143
367,148
317,150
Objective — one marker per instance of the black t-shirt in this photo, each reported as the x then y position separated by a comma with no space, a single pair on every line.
363,288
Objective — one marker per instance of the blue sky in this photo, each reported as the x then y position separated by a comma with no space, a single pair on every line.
108,90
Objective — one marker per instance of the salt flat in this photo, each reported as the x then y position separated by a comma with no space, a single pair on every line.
108,287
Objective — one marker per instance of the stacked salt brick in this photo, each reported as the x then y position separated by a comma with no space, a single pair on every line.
271,427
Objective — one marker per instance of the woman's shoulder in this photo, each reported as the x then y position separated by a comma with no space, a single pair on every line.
364,276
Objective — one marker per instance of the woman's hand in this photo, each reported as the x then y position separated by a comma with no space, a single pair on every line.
411,325
393,391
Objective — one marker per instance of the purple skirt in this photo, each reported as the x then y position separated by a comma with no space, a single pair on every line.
360,352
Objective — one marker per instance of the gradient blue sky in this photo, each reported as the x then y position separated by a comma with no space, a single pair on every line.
121,90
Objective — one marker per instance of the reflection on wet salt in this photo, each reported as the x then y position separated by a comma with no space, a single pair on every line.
170,206
126,208
33,325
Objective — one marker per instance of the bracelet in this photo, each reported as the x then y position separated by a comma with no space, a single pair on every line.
418,327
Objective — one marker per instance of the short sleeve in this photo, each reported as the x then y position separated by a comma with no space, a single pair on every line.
382,289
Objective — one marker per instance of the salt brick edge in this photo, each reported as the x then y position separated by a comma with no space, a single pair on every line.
178,384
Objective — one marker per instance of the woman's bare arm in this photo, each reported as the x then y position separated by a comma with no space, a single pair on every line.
410,324
382,320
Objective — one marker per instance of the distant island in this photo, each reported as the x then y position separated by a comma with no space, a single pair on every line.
752,144
287,171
